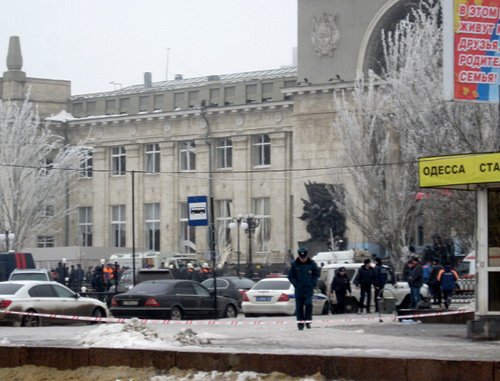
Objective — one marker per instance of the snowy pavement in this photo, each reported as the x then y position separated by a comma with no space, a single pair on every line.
344,335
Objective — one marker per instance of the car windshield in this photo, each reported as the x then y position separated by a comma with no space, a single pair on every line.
9,289
150,288
272,285
28,276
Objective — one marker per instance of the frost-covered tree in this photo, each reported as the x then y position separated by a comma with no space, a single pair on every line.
37,169
392,119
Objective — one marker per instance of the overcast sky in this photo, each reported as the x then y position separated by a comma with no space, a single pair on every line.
95,42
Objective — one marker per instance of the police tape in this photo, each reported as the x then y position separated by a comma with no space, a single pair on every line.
380,318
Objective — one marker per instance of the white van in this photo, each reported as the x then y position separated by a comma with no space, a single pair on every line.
347,256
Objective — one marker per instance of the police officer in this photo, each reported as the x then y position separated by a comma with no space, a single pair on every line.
303,274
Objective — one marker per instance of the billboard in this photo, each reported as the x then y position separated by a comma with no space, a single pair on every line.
471,58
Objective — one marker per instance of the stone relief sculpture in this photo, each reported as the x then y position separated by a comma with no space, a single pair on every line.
325,35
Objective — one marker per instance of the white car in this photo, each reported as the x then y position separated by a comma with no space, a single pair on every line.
399,290
45,297
276,296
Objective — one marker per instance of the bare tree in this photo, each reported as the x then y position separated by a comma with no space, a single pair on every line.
37,169
388,122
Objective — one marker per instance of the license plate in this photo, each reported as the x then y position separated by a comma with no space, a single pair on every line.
263,298
130,302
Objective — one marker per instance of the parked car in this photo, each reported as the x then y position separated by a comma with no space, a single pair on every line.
126,282
230,286
276,296
399,290
31,274
174,299
45,298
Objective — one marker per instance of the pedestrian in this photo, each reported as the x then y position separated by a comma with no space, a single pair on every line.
248,271
62,273
78,278
434,284
380,280
416,281
341,285
447,278
303,274
98,282
364,280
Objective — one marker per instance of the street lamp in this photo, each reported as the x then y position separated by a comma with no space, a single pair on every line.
252,222
6,237
240,222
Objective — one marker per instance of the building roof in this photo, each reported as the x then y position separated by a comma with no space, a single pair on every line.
285,72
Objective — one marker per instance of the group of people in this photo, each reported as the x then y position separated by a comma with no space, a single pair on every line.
304,274
73,277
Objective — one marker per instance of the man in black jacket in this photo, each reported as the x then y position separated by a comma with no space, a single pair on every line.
303,274
416,281
341,285
364,280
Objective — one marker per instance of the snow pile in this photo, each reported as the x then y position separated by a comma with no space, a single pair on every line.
132,334
190,375
189,337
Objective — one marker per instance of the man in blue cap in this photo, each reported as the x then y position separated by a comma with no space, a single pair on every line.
303,274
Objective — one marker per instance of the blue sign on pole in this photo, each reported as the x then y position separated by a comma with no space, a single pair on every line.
198,211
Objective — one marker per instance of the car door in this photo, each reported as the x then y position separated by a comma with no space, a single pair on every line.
71,304
186,296
44,299
206,301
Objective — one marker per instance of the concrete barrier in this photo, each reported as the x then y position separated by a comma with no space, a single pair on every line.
300,365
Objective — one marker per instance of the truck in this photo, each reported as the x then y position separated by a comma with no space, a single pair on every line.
11,261
153,259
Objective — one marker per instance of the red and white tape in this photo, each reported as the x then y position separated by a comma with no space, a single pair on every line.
236,322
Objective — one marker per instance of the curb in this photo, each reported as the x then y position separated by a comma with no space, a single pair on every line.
332,367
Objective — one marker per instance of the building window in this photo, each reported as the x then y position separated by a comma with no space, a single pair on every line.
118,161
187,239
224,153
152,152
85,226
144,103
118,226
188,156
110,106
91,108
46,165
267,88
47,207
152,226
124,103
86,166
223,218
178,100
261,150
46,241
214,95
77,109
158,102
251,91
193,98
262,211
290,83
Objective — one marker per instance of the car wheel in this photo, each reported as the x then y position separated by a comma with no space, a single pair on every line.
230,311
175,313
98,313
326,309
31,321
351,306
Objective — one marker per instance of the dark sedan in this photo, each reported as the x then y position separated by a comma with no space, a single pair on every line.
174,299
230,286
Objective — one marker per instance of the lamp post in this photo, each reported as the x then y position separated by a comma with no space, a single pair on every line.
238,222
6,237
252,222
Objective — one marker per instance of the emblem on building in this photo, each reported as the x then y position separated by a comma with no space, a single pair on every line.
325,35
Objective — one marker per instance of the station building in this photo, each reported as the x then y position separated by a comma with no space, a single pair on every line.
249,140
